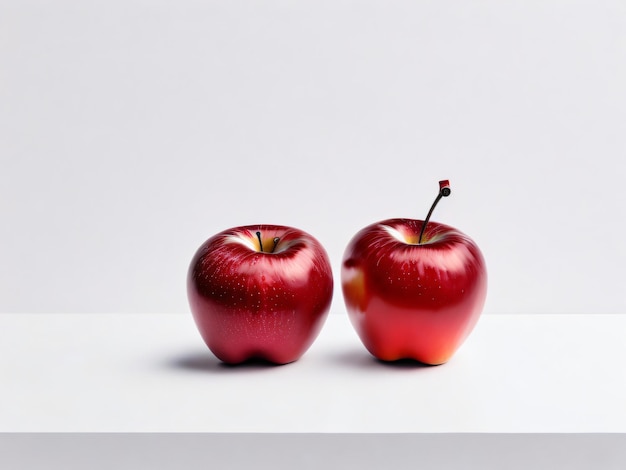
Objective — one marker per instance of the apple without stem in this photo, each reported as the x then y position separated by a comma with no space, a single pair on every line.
260,291
413,289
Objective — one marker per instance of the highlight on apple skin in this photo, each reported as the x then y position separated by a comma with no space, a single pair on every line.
260,292
413,289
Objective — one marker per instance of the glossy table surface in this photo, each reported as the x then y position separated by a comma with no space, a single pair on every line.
152,373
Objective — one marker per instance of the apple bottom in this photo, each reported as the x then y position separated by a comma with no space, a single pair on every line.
431,336
280,337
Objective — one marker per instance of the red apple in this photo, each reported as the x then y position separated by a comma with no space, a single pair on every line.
413,289
260,291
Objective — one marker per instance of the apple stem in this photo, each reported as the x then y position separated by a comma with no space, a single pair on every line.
444,191
258,235
276,240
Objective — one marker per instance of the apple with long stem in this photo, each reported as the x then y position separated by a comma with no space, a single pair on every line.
413,289
260,291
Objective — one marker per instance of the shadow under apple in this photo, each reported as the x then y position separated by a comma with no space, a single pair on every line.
206,362
364,360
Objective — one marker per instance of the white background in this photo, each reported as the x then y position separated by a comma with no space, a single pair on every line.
132,131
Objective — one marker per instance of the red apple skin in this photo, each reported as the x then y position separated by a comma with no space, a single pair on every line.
410,301
250,304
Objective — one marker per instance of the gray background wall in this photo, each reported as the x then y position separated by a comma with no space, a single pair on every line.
132,131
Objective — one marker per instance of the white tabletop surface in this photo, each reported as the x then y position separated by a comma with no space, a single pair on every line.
152,373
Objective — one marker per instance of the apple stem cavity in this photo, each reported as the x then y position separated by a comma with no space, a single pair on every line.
275,240
444,191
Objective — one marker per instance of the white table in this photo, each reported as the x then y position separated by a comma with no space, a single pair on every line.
143,373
